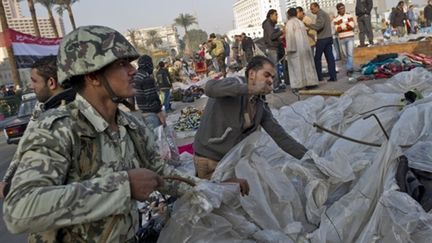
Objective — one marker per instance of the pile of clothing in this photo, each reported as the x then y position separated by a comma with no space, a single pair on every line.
189,119
387,65
340,191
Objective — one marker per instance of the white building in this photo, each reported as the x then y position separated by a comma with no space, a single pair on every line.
24,24
249,15
168,35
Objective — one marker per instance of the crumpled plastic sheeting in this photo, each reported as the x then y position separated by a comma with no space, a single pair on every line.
420,156
345,192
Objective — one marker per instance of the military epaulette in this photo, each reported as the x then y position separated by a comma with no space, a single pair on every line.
47,118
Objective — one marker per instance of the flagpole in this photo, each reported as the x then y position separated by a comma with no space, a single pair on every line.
11,56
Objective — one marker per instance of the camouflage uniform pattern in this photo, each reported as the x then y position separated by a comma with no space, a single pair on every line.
38,109
90,48
72,176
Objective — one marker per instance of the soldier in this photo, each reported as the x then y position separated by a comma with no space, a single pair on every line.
83,166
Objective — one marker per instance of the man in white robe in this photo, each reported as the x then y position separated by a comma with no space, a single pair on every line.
302,72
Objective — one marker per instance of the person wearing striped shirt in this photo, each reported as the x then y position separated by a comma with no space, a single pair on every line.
344,26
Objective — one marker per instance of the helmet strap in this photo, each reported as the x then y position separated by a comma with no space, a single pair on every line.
113,96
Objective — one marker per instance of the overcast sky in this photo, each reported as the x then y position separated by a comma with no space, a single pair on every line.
213,15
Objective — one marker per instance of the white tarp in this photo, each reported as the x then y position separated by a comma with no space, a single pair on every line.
339,192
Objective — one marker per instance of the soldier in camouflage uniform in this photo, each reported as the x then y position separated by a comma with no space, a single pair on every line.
82,166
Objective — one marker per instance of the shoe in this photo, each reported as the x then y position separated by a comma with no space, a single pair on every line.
362,45
331,80
171,110
349,73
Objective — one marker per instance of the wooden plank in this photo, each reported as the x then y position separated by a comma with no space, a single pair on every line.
321,92
363,55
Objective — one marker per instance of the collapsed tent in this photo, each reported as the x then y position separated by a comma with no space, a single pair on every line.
339,192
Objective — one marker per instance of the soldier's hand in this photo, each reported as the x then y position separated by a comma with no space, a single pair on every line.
244,185
259,88
143,182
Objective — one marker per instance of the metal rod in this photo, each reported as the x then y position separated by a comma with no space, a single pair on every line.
385,106
379,123
345,137
355,140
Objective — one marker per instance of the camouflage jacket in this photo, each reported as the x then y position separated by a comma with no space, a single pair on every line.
72,176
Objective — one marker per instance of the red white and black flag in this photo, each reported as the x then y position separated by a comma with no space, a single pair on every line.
27,48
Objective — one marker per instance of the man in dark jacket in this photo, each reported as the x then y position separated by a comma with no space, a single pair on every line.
245,97
324,44
248,46
398,18
363,12
428,13
272,43
165,84
147,96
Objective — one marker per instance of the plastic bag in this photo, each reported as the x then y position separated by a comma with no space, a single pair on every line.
167,147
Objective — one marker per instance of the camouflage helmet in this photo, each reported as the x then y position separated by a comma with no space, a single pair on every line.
90,48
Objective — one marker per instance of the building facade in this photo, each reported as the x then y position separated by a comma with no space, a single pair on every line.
168,35
249,15
24,24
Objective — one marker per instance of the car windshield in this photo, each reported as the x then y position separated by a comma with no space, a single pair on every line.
26,107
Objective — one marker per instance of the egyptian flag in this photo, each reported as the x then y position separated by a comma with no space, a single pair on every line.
27,48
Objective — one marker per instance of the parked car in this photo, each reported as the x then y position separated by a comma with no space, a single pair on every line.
15,129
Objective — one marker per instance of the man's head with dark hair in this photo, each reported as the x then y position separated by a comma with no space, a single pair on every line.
257,63
292,12
212,36
44,78
161,64
272,15
260,72
314,7
46,67
340,7
300,13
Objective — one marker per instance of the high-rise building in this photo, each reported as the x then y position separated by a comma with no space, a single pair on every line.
249,15
24,24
